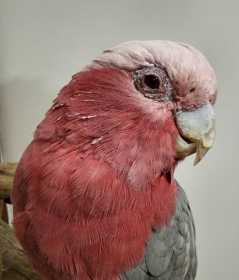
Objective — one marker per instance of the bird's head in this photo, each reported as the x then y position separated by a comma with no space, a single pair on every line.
171,80
142,106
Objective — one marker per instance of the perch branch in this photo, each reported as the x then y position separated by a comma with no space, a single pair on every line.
3,211
7,171
13,262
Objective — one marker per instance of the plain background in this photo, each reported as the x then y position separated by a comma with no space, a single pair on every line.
44,42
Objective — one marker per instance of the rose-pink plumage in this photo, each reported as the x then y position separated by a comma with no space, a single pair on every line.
96,184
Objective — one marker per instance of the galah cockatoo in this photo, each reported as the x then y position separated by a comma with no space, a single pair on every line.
94,194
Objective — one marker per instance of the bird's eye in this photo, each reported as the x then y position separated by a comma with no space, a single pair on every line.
151,81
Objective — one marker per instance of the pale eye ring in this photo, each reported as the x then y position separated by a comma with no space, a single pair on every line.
154,83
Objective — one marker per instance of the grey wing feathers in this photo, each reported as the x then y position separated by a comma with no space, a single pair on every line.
170,254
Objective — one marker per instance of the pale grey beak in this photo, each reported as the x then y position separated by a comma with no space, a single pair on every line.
197,132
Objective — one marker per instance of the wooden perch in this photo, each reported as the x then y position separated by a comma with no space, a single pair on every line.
13,262
7,171
3,211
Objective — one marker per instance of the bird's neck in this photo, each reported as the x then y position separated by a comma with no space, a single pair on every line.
141,156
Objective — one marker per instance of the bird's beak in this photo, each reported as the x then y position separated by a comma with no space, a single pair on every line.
196,132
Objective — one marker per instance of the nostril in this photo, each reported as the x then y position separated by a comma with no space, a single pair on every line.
212,99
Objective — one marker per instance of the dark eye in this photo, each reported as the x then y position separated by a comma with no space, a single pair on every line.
152,81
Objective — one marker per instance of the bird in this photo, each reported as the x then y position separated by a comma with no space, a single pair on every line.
94,195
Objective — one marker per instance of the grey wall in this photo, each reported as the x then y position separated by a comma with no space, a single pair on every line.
44,42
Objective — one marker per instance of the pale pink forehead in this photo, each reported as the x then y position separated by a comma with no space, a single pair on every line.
185,65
